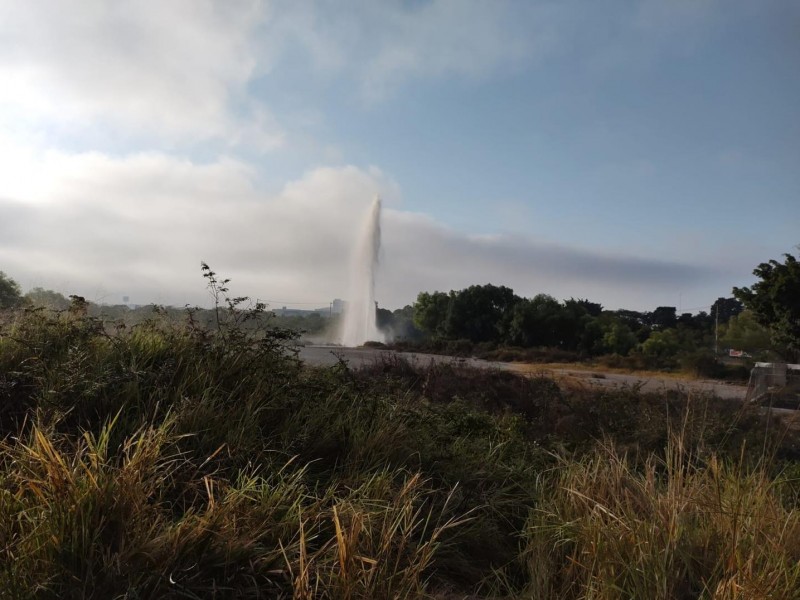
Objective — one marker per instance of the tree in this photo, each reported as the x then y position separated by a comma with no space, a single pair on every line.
10,294
430,312
664,317
775,302
384,319
480,313
48,298
743,332
403,324
662,345
727,308
618,339
537,322
594,309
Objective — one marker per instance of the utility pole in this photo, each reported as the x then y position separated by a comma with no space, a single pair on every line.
716,332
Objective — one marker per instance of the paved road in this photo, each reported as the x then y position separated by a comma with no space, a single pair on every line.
357,357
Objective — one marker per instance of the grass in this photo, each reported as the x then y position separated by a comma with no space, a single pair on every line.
676,528
182,461
592,369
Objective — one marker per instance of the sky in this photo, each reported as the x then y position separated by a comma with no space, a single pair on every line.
638,153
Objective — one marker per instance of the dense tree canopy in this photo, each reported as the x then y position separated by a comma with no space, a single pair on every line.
10,294
430,312
494,315
743,332
664,316
727,309
775,302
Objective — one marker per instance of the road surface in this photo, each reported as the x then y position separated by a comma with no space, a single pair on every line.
357,357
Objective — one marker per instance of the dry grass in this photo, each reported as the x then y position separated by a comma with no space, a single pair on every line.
591,369
181,462
675,528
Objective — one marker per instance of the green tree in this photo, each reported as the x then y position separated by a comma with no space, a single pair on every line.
10,294
537,322
636,321
618,339
48,298
664,317
727,308
480,313
662,345
775,302
430,312
594,309
743,332
403,324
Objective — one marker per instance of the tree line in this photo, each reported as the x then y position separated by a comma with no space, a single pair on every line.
493,314
762,321
763,318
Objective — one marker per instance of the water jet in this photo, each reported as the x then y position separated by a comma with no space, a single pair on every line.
359,323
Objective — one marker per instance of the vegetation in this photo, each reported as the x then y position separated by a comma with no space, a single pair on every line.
775,302
307,322
10,294
196,460
492,322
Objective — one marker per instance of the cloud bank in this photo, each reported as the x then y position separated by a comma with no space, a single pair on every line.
106,107
140,225
183,72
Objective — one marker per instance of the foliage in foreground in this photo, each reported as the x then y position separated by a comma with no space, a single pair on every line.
674,528
182,462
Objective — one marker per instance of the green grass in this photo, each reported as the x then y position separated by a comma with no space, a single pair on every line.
177,461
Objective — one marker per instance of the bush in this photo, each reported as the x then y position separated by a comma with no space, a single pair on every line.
180,460
701,363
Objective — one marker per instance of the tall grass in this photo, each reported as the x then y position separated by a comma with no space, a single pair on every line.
165,461
75,522
675,528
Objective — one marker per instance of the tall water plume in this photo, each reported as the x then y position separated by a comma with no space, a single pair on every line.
359,324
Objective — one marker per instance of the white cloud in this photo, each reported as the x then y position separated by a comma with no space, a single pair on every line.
172,69
188,71
140,225
179,72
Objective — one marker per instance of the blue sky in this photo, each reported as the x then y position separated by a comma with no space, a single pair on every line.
637,153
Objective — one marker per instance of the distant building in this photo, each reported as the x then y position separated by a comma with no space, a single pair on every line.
337,306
